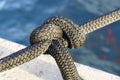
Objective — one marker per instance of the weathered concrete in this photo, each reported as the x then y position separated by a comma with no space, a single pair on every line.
44,67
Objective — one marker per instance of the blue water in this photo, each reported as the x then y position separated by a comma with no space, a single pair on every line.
102,48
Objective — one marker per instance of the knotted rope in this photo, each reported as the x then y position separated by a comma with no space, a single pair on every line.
53,37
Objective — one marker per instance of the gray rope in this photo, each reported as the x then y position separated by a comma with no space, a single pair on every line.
53,37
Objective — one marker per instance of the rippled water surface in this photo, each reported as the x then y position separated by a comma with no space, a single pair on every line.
102,48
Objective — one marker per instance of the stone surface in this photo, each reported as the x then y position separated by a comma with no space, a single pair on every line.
44,67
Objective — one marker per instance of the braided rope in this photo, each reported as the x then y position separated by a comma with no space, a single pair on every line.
100,22
53,37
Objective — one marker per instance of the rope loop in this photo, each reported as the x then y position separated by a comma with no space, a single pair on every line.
59,28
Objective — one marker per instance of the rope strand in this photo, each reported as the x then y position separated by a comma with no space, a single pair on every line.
100,22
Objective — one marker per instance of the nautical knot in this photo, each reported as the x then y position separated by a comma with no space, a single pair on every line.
59,28
62,33
54,37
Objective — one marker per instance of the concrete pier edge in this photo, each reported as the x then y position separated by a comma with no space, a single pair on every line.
44,67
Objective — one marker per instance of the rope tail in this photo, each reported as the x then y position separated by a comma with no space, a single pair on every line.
100,22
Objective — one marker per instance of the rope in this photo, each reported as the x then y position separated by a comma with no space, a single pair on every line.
54,37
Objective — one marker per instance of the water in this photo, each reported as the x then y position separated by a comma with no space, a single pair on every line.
102,48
